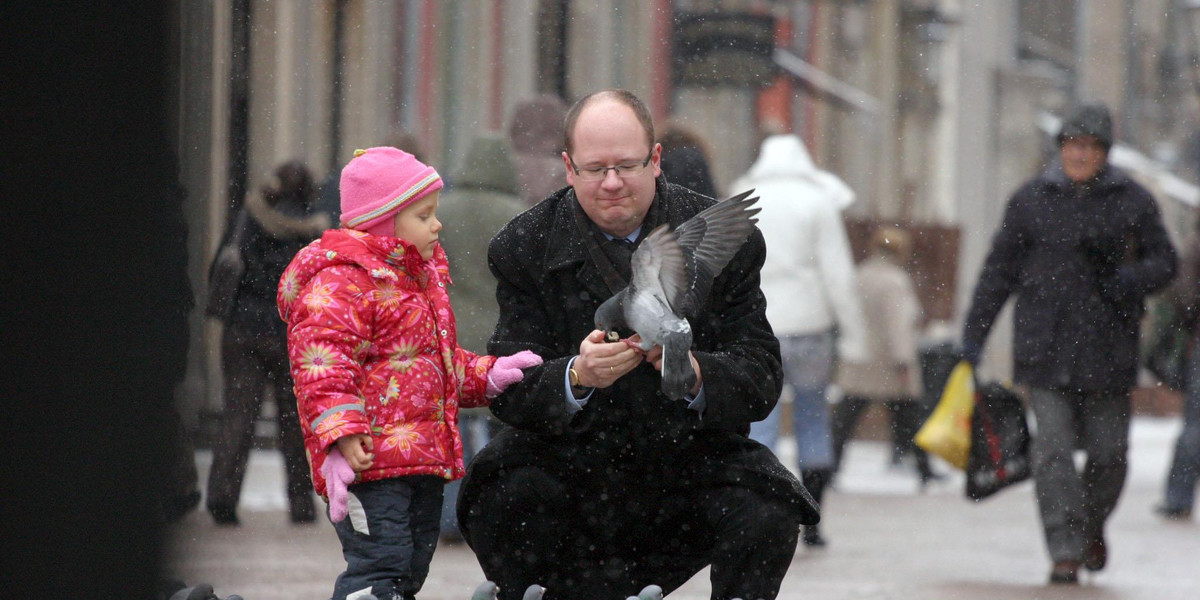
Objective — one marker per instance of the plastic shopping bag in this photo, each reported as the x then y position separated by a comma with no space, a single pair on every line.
947,433
999,454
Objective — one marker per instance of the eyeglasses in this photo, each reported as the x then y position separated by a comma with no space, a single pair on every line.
623,170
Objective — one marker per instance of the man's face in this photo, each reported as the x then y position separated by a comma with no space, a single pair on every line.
1082,157
608,134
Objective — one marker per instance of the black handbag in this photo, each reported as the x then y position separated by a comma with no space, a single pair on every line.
225,273
999,454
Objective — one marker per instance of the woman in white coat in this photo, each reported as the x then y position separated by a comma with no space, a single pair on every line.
812,301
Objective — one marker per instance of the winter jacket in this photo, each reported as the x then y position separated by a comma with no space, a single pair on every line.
549,289
808,276
893,318
371,339
1080,260
276,233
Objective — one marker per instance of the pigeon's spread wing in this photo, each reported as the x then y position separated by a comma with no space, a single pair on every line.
659,263
708,241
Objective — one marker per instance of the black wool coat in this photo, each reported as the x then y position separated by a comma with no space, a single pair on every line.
630,433
1080,261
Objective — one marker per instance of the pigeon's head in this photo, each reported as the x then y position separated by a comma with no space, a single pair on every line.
609,316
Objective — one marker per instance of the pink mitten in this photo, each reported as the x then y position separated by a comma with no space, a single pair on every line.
507,371
338,474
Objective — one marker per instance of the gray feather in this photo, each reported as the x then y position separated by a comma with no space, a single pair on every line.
486,591
650,592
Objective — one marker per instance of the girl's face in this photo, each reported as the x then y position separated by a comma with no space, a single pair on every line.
417,224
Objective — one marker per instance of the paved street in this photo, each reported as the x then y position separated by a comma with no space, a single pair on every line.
888,541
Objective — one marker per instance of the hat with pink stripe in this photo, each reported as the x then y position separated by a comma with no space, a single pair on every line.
378,183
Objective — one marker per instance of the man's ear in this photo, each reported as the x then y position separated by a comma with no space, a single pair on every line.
656,159
570,171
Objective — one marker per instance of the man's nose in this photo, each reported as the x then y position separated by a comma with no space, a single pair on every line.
611,179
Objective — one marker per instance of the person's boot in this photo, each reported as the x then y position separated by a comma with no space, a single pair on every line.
302,510
815,481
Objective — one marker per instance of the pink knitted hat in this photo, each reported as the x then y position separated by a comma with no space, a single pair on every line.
378,182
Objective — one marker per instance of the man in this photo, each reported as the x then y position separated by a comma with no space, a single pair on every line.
602,485
1081,246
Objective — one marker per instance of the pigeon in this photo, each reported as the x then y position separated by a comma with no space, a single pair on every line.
671,275
534,592
650,592
486,591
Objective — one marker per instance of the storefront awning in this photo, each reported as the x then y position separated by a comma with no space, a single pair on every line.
827,84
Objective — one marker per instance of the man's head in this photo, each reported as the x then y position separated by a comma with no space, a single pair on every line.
612,160
1084,140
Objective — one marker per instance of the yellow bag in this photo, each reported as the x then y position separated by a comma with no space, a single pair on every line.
947,433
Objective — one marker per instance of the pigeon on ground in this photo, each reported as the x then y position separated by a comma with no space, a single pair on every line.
672,274
486,591
534,592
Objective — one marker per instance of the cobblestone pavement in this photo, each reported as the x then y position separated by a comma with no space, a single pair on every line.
888,541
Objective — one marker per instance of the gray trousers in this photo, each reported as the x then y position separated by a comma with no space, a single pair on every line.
1074,505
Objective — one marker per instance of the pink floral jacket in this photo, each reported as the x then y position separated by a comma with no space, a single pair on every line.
373,350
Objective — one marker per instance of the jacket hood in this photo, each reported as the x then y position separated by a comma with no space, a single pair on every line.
488,166
785,157
381,256
283,225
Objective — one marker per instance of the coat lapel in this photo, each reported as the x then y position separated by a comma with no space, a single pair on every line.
566,250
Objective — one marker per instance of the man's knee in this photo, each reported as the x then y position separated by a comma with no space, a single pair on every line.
760,518
523,496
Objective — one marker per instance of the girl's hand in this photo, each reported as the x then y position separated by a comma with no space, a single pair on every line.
357,450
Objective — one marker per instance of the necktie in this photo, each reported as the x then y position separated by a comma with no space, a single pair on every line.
619,251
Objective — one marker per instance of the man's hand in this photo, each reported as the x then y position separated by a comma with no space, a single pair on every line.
357,450
654,357
601,363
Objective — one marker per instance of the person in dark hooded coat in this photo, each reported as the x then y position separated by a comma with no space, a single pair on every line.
1080,247
601,485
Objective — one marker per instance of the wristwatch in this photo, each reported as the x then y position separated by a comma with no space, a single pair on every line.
573,377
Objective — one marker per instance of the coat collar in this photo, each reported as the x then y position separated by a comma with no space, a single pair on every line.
1109,177
565,248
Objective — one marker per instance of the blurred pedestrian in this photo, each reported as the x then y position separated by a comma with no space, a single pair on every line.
536,133
685,159
480,200
812,303
278,222
379,372
890,373
1180,494
1081,246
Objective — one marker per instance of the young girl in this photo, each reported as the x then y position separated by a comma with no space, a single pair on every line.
379,374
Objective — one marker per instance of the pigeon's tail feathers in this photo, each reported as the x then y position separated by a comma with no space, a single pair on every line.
651,592
486,591
534,592
678,377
